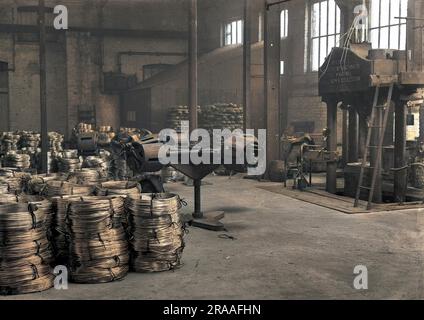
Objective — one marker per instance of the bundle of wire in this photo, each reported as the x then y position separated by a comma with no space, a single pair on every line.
25,251
17,160
85,176
156,232
35,184
98,249
14,184
63,188
68,161
122,188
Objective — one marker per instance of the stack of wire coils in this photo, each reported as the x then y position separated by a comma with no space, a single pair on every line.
68,161
25,252
98,248
156,232
17,160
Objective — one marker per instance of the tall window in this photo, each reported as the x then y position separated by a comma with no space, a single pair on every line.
386,31
325,30
284,23
233,33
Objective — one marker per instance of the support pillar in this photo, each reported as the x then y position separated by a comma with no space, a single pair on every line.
331,186
43,87
374,160
247,64
400,152
192,66
345,137
272,80
353,135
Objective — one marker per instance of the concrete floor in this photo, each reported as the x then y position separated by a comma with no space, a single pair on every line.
285,249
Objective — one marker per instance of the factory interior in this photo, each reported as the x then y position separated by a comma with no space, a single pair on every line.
320,181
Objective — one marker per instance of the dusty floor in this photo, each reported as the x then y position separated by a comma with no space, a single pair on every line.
285,249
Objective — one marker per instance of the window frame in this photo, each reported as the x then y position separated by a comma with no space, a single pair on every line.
225,34
390,26
338,18
284,23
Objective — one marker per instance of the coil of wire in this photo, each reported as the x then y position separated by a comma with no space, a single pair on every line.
35,184
25,252
98,249
63,188
14,184
156,232
17,160
122,188
85,176
68,161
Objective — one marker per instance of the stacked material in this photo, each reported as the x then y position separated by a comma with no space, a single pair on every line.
118,188
156,232
85,176
29,141
25,251
221,116
9,142
176,114
17,160
68,161
12,181
98,250
106,134
63,188
56,142
59,234
36,183
101,163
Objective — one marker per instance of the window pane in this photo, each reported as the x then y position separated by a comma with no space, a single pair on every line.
330,44
394,11
384,38
323,50
323,18
375,13
385,5
404,9
332,17
338,23
233,32
337,41
394,37
281,67
315,54
374,38
402,37
286,20
315,20
239,31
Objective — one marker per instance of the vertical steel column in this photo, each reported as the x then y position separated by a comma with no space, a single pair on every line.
198,214
374,159
353,135
192,67
345,137
272,80
400,152
43,87
247,64
332,145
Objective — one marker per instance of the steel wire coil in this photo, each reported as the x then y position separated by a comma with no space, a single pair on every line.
98,250
156,232
25,252
36,184
17,160
124,188
85,176
63,188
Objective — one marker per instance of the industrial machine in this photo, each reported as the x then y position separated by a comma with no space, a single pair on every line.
371,83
